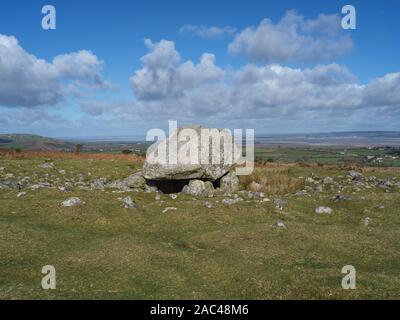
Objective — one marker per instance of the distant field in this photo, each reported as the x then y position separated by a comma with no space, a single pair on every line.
102,250
329,155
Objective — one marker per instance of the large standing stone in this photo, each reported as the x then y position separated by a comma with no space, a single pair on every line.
156,168
229,183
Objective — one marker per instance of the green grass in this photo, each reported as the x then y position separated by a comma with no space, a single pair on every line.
101,250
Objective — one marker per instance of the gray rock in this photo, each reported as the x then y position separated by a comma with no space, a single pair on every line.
193,169
230,202
10,183
339,197
354,175
279,203
169,209
301,193
209,205
366,221
385,184
129,203
98,184
47,165
230,183
135,181
173,196
199,188
71,202
279,224
327,180
323,210
66,188
21,194
319,188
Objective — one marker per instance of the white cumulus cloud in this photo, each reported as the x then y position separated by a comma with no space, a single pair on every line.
293,39
26,80
206,31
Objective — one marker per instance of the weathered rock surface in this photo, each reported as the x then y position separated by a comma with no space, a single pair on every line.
71,202
323,210
199,188
230,183
193,168
129,203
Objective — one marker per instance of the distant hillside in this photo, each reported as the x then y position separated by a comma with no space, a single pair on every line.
33,142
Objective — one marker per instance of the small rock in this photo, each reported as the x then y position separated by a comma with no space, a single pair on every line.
209,205
323,210
129,203
279,203
229,202
157,197
47,165
327,180
354,175
366,221
339,197
99,184
10,183
21,194
279,224
173,196
168,209
70,202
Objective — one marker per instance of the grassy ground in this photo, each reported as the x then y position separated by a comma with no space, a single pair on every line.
101,250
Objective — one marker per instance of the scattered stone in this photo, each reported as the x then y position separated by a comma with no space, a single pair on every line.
10,183
384,184
129,203
301,193
65,188
47,165
319,188
327,180
61,171
173,196
279,203
158,197
71,202
169,209
98,184
230,202
366,221
310,180
279,224
323,210
339,197
21,194
354,175
209,205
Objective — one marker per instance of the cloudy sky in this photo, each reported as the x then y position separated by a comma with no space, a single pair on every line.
116,68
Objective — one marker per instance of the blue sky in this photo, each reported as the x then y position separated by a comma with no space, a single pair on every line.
297,71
